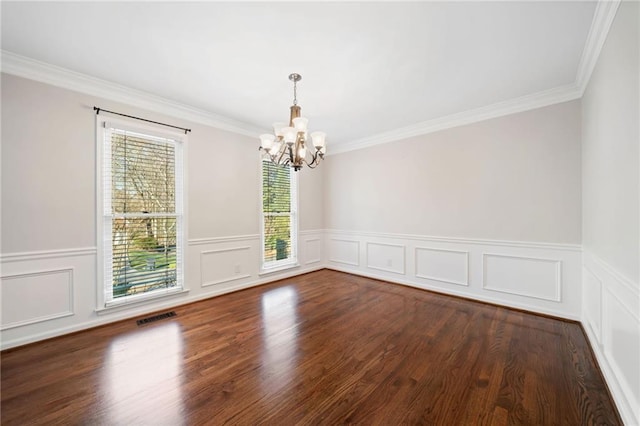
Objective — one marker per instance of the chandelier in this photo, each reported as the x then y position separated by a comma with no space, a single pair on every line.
289,144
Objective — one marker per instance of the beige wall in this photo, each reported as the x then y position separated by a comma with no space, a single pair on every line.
48,167
48,172
510,178
311,198
610,149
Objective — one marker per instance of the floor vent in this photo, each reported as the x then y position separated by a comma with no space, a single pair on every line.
158,317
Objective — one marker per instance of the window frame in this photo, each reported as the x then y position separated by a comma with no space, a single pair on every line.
292,261
102,124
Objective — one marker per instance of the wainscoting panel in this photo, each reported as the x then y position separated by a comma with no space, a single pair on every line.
37,296
346,252
534,276
386,257
65,286
523,276
592,302
622,344
614,300
44,292
224,265
313,250
447,266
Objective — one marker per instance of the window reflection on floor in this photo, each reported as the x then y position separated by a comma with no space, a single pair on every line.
142,383
280,336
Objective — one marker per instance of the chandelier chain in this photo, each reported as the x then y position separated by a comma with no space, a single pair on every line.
295,92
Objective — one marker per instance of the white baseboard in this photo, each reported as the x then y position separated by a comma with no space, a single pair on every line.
50,293
142,310
462,294
545,278
534,276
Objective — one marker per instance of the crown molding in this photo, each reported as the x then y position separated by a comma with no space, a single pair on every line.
600,25
603,17
32,69
511,106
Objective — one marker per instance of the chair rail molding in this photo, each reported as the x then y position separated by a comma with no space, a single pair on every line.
535,276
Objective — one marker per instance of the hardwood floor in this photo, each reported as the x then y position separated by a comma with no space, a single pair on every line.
322,348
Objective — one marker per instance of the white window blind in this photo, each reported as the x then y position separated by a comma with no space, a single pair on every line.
279,226
143,214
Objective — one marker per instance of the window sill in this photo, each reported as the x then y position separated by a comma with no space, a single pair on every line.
278,268
124,305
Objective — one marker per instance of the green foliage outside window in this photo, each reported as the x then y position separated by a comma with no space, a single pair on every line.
143,192
276,206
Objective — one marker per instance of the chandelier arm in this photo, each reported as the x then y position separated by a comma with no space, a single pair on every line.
312,165
282,152
290,154
314,156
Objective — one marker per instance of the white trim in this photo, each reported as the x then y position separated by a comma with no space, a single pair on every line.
558,282
557,95
344,262
274,265
457,240
99,230
379,268
619,391
442,280
612,282
459,293
596,330
279,268
318,259
600,25
25,67
115,314
626,282
623,304
70,312
127,304
47,254
224,280
604,15
103,125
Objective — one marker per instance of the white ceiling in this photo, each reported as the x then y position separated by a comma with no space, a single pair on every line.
367,68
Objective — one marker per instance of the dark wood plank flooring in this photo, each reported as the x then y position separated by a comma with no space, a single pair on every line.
322,348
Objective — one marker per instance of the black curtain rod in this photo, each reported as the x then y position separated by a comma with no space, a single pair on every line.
97,110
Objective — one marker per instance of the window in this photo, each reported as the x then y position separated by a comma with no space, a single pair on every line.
142,213
279,216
